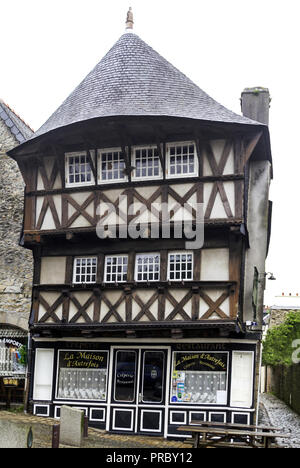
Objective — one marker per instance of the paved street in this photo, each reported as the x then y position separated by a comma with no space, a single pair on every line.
42,435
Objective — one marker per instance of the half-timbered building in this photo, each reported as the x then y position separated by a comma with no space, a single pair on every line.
146,329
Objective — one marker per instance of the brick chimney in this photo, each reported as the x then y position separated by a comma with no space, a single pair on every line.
255,104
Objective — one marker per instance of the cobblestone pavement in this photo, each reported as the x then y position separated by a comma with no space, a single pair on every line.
277,413
42,435
271,412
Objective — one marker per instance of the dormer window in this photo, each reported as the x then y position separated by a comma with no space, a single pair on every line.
78,169
146,161
181,160
111,166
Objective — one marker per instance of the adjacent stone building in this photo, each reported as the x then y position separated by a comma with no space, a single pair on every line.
15,261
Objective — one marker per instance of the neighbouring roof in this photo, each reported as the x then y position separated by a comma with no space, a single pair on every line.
134,80
14,123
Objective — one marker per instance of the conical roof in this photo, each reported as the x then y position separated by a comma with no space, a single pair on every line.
134,80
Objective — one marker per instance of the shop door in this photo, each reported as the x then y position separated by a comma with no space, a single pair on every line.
138,391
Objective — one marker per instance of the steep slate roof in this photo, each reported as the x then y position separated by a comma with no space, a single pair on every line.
132,79
14,123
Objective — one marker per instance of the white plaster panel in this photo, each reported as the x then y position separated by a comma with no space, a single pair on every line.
214,265
53,270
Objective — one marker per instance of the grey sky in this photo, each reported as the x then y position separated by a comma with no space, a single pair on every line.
48,47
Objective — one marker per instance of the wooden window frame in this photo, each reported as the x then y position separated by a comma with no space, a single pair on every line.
168,160
80,274
116,273
153,254
134,163
181,253
77,154
100,153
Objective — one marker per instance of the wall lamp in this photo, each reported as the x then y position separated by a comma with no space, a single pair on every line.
270,277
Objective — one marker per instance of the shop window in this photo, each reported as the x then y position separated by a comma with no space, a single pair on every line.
147,267
111,166
180,266
199,378
82,375
181,160
116,268
85,270
78,169
146,162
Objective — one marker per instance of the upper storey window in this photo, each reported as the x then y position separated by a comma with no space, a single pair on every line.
181,160
78,169
111,166
146,162
85,270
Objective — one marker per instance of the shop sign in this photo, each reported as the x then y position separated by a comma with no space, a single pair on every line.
10,382
83,359
201,362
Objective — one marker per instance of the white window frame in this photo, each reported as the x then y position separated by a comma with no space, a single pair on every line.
147,177
77,154
188,252
168,158
102,151
80,274
149,254
106,265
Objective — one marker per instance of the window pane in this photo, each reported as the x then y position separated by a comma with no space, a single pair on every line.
82,375
146,265
181,159
85,270
180,266
199,378
112,165
147,163
125,376
116,269
153,370
79,170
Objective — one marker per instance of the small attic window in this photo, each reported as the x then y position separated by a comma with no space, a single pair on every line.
111,166
78,169
146,162
182,160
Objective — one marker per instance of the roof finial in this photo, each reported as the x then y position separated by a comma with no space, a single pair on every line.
129,19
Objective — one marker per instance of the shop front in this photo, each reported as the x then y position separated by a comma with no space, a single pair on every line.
146,388
12,365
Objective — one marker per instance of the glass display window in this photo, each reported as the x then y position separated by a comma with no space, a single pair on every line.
82,375
199,378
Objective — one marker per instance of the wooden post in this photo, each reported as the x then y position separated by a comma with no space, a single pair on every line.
55,436
85,426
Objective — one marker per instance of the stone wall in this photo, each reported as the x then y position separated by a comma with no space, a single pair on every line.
15,261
